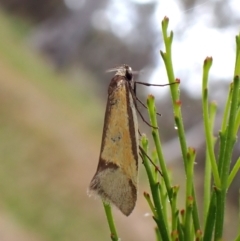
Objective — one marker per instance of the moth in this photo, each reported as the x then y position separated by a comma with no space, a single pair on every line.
115,180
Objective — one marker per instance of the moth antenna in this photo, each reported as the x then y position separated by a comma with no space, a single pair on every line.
112,70
134,72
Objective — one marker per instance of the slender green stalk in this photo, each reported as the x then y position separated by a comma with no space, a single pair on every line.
149,201
175,235
158,235
156,162
164,200
226,113
174,209
208,170
207,187
210,220
159,219
188,225
237,123
156,137
182,214
234,171
180,231
207,127
199,235
189,176
167,57
229,140
189,199
237,62
223,129
157,142
108,211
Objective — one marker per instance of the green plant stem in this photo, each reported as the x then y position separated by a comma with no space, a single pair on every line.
199,236
230,135
207,187
226,113
108,211
237,62
164,200
234,172
229,140
208,170
207,127
159,219
158,235
189,176
188,224
149,201
156,138
175,212
167,57
189,199
211,218
180,231
237,123
157,142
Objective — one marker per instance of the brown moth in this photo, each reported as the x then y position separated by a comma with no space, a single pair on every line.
115,180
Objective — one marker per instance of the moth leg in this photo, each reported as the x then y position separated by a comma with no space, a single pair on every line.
135,103
144,153
145,105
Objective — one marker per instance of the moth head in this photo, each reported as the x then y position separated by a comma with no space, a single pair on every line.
128,73
123,70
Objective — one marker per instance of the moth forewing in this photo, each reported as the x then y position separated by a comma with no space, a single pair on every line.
115,180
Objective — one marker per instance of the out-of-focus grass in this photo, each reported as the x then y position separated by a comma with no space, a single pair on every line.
37,70
46,125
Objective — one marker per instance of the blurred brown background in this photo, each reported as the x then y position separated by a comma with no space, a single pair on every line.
53,86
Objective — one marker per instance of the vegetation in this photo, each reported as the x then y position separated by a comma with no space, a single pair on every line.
184,224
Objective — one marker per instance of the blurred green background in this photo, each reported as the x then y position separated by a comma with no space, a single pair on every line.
49,146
